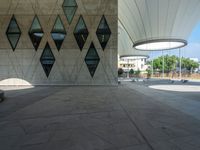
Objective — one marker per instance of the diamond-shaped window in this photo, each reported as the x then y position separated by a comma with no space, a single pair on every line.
58,33
69,8
81,33
103,32
36,32
13,32
92,59
47,59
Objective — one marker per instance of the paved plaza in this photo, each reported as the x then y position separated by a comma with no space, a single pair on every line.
130,116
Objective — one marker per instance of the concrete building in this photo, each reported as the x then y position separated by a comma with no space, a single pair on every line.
135,63
56,42
74,42
194,59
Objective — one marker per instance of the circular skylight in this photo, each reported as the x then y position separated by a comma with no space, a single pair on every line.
160,44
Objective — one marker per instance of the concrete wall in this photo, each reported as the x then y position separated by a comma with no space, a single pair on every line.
23,65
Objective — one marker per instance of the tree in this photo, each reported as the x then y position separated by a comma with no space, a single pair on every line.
149,72
137,73
131,72
169,63
189,65
120,71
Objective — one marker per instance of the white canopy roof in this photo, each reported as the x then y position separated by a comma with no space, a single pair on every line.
147,20
125,45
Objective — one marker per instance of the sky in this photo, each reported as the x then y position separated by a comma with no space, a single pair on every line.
192,50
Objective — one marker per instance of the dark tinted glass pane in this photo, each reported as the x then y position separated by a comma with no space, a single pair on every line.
92,60
103,39
81,26
13,26
13,39
36,27
69,3
92,66
69,8
47,59
103,26
47,68
36,33
81,33
92,54
58,39
103,32
13,33
58,33
58,26
81,39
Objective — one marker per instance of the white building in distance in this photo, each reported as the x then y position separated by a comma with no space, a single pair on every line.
135,63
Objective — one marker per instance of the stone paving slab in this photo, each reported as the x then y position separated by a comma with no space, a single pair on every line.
94,118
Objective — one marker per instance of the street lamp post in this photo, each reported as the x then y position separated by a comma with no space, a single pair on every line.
128,69
152,68
152,65
180,65
163,67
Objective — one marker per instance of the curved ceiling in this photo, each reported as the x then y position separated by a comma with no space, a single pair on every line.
125,45
146,20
